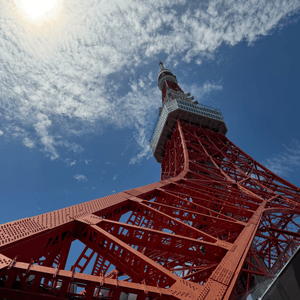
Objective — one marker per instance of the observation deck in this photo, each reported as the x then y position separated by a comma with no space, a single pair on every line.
188,111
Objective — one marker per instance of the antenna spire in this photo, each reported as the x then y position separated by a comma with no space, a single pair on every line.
161,66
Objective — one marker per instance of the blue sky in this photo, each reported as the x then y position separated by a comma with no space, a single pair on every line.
79,97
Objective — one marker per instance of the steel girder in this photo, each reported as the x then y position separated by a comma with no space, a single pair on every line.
217,223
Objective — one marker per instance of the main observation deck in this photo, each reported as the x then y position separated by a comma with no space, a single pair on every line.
188,111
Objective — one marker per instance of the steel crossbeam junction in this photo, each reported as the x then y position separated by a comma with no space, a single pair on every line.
217,223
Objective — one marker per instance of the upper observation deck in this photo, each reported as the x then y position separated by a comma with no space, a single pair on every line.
188,111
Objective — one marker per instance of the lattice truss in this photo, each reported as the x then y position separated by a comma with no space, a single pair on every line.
168,90
216,224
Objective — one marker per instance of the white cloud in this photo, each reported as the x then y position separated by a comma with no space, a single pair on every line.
71,146
127,146
115,177
87,161
89,67
1,132
28,142
80,177
41,128
70,163
286,161
201,91
142,140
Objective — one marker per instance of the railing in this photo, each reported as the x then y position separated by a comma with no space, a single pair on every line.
206,106
153,129
169,100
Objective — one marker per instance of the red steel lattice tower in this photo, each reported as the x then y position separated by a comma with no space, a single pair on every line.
217,223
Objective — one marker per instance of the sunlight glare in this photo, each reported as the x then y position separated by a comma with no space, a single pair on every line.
39,11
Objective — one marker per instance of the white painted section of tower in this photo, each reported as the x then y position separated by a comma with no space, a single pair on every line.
161,66
187,111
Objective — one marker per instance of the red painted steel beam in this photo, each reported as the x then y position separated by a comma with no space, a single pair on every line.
68,277
282,231
211,194
164,241
115,249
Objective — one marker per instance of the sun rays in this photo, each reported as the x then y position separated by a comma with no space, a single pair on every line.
39,12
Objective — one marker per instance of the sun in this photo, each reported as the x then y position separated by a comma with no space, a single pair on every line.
39,11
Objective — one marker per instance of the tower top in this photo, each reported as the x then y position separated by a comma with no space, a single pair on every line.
164,75
161,66
178,105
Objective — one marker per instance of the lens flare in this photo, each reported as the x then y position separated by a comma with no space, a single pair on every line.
39,11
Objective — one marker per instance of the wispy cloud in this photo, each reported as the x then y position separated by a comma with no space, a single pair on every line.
142,140
87,161
1,132
80,177
89,69
70,163
28,142
287,161
126,148
115,177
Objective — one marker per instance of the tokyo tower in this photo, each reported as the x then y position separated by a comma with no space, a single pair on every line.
217,224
